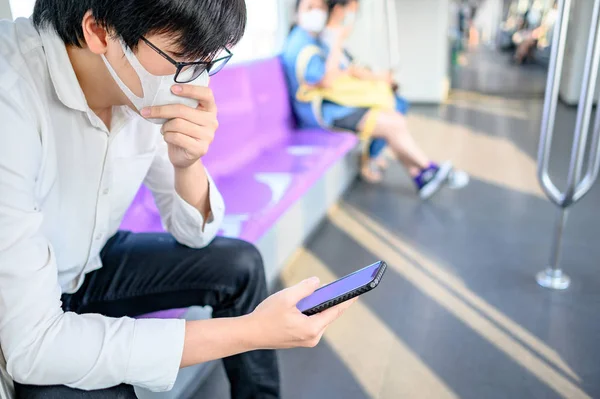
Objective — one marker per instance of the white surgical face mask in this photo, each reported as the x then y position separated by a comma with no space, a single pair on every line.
350,18
156,89
313,21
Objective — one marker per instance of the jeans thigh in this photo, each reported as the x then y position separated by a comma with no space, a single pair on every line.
63,392
149,272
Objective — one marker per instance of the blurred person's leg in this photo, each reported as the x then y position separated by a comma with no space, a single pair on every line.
524,50
375,162
369,169
391,126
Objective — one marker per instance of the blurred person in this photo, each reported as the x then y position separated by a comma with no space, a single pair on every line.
528,41
309,64
96,97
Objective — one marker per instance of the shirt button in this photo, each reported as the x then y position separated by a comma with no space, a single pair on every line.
105,191
98,237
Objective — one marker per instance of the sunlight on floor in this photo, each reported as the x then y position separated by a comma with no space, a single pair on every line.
371,354
495,105
506,335
491,159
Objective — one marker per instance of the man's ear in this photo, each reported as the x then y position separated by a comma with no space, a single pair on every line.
95,35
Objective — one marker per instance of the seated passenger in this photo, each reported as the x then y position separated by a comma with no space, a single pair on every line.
96,97
528,41
309,64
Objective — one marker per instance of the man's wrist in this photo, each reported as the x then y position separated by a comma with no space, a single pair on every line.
192,184
252,337
207,340
188,168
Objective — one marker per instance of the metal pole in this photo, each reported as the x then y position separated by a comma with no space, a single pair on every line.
584,111
553,276
551,101
392,21
594,157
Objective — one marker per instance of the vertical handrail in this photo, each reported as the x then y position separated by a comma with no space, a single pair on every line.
584,111
553,276
551,101
594,156
392,21
593,162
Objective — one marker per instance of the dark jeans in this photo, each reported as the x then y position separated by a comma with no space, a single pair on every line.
144,273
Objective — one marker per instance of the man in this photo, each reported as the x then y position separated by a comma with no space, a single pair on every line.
92,96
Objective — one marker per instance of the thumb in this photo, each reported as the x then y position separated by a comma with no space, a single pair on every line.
302,290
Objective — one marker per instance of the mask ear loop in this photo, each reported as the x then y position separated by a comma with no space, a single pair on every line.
137,101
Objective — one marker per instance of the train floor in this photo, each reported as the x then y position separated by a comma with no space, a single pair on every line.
459,313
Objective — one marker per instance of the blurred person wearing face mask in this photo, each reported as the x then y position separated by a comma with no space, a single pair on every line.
96,98
324,66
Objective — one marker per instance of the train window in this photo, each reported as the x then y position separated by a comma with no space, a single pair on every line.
265,31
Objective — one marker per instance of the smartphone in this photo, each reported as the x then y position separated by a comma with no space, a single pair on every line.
355,284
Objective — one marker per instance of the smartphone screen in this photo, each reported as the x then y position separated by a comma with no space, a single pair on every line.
340,287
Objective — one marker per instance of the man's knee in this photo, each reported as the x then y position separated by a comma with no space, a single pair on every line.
241,258
246,259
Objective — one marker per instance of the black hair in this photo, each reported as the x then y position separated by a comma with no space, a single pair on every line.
331,4
201,28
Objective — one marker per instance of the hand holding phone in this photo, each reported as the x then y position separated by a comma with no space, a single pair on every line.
277,324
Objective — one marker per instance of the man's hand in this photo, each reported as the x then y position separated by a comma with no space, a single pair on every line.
278,324
188,132
275,324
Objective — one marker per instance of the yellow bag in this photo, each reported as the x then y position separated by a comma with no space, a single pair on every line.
347,91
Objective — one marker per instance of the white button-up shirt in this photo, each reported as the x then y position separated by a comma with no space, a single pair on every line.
65,184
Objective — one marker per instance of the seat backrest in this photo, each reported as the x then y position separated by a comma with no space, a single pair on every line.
254,113
271,99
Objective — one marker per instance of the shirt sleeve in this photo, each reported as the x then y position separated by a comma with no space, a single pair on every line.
42,344
181,219
315,71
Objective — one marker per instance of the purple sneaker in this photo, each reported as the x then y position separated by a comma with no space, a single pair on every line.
430,180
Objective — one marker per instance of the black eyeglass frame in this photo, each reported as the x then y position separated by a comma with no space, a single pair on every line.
181,65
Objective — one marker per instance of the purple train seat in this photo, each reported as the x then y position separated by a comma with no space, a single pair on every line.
259,161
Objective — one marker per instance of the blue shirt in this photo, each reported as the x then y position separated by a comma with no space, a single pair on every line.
297,41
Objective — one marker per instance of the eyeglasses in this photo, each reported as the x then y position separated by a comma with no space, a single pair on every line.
190,71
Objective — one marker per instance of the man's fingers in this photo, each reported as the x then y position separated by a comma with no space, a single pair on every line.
199,132
301,290
170,111
180,111
196,148
203,94
328,316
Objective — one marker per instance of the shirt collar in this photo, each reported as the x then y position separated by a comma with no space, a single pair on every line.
62,74
67,85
